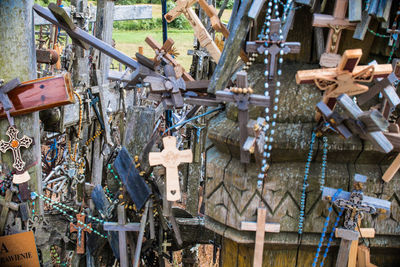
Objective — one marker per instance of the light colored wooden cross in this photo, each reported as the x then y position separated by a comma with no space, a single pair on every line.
391,171
184,7
344,79
363,257
80,228
170,158
336,23
162,51
260,227
15,145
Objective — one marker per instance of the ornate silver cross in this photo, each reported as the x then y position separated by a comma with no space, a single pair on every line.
15,144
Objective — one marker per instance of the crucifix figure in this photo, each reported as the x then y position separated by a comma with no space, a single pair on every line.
80,227
273,46
242,96
344,79
355,203
255,138
260,227
171,158
336,23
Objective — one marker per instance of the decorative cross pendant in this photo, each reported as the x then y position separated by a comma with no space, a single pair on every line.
80,227
15,144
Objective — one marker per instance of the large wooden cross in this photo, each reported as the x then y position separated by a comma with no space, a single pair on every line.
274,46
344,79
260,227
336,23
242,97
80,228
170,158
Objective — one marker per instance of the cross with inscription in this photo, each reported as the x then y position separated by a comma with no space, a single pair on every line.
242,96
260,227
355,203
274,45
344,79
336,23
80,227
171,158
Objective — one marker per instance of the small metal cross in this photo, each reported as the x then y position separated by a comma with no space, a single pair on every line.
15,144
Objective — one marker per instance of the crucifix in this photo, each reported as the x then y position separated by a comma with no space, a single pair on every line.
260,227
162,53
170,158
343,79
184,7
242,96
80,227
336,23
355,203
273,46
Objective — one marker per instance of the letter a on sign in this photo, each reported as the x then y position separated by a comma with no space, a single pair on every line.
18,250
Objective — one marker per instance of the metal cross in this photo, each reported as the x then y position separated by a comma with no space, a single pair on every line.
79,227
15,144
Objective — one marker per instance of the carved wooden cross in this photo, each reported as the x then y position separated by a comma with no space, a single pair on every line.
184,7
15,144
274,45
170,158
344,79
122,227
355,203
260,227
243,99
336,23
162,52
80,228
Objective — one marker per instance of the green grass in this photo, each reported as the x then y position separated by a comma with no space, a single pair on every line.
128,42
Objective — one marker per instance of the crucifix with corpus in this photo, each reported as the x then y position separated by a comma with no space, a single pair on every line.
171,158
336,23
80,228
344,79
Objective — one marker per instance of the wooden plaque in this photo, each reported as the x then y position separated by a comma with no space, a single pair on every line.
18,250
40,94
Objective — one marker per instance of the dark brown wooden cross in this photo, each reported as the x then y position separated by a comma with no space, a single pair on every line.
243,99
344,79
80,227
274,45
336,23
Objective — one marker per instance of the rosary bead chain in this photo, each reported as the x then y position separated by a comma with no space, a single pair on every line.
73,157
98,132
321,240
324,162
109,166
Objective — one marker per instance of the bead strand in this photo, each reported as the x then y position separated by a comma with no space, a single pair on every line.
305,184
324,162
109,166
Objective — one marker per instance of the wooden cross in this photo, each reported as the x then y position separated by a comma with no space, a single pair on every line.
336,23
162,52
274,45
372,119
344,79
243,97
15,144
355,203
255,138
260,227
122,227
7,204
184,7
165,244
170,158
363,257
80,229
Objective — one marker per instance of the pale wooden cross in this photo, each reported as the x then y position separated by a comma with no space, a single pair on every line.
165,244
122,227
344,79
336,23
243,97
15,144
80,229
363,257
162,52
170,158
274,45
260,227
184,7
7,204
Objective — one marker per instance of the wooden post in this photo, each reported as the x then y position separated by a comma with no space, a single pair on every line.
19,55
